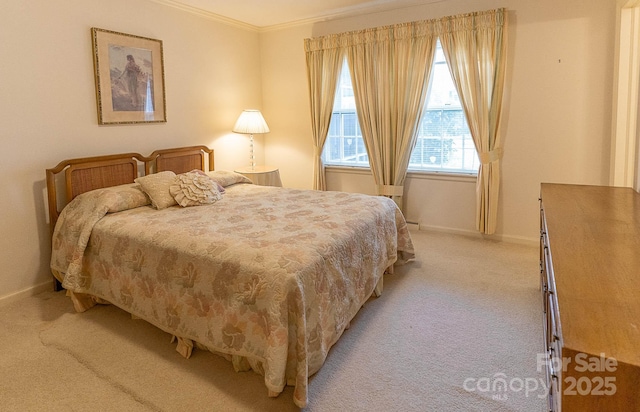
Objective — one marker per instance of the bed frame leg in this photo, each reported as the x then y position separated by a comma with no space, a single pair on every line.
379,287
57,286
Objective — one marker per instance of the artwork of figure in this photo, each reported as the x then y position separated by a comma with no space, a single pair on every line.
131,78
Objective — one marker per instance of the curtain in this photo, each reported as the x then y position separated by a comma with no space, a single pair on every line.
324,62
475,48
390,70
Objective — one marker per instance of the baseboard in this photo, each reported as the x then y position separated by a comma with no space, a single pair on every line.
521,240
34,290
471,233
413,226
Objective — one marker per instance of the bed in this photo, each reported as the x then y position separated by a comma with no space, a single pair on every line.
267,277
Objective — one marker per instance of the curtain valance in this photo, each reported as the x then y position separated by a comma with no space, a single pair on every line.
489,19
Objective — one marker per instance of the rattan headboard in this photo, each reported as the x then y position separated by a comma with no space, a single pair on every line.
89,173
182,159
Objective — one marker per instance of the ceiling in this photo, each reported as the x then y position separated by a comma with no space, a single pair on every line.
268,13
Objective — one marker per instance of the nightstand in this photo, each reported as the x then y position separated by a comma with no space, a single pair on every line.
262,175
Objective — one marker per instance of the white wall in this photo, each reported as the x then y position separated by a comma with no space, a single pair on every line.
48,109
285,95
557,120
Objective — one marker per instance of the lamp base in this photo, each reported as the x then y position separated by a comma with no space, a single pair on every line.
252,159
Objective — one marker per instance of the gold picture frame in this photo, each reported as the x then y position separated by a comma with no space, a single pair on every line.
129,72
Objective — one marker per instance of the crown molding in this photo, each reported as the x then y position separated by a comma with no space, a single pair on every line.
351,11
239,24
345,12
207,14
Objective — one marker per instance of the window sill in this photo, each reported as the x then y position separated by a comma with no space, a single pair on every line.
448,176
411,174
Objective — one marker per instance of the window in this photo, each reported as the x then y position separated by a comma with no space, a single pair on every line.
344,145
444,142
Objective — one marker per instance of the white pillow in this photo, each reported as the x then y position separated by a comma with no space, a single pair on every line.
156,186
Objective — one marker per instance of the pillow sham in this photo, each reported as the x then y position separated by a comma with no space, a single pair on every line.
227,178
156,186
194,188
127,196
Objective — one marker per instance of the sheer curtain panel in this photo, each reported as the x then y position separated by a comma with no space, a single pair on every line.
475,48
324,62
390,69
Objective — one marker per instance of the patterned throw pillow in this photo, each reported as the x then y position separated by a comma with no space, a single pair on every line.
193,189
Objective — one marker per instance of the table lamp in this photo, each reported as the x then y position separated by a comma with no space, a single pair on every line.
249,122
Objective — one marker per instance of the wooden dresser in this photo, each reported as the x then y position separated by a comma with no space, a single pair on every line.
590,282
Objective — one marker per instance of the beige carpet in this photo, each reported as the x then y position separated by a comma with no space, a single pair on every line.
466,312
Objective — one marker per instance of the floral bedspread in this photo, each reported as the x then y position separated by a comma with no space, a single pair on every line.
271,276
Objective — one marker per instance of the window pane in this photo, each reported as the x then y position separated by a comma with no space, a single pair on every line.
443,144
344,144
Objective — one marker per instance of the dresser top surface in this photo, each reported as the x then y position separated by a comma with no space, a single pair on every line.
594,239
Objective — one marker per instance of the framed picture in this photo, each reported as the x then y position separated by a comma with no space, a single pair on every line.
129,73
